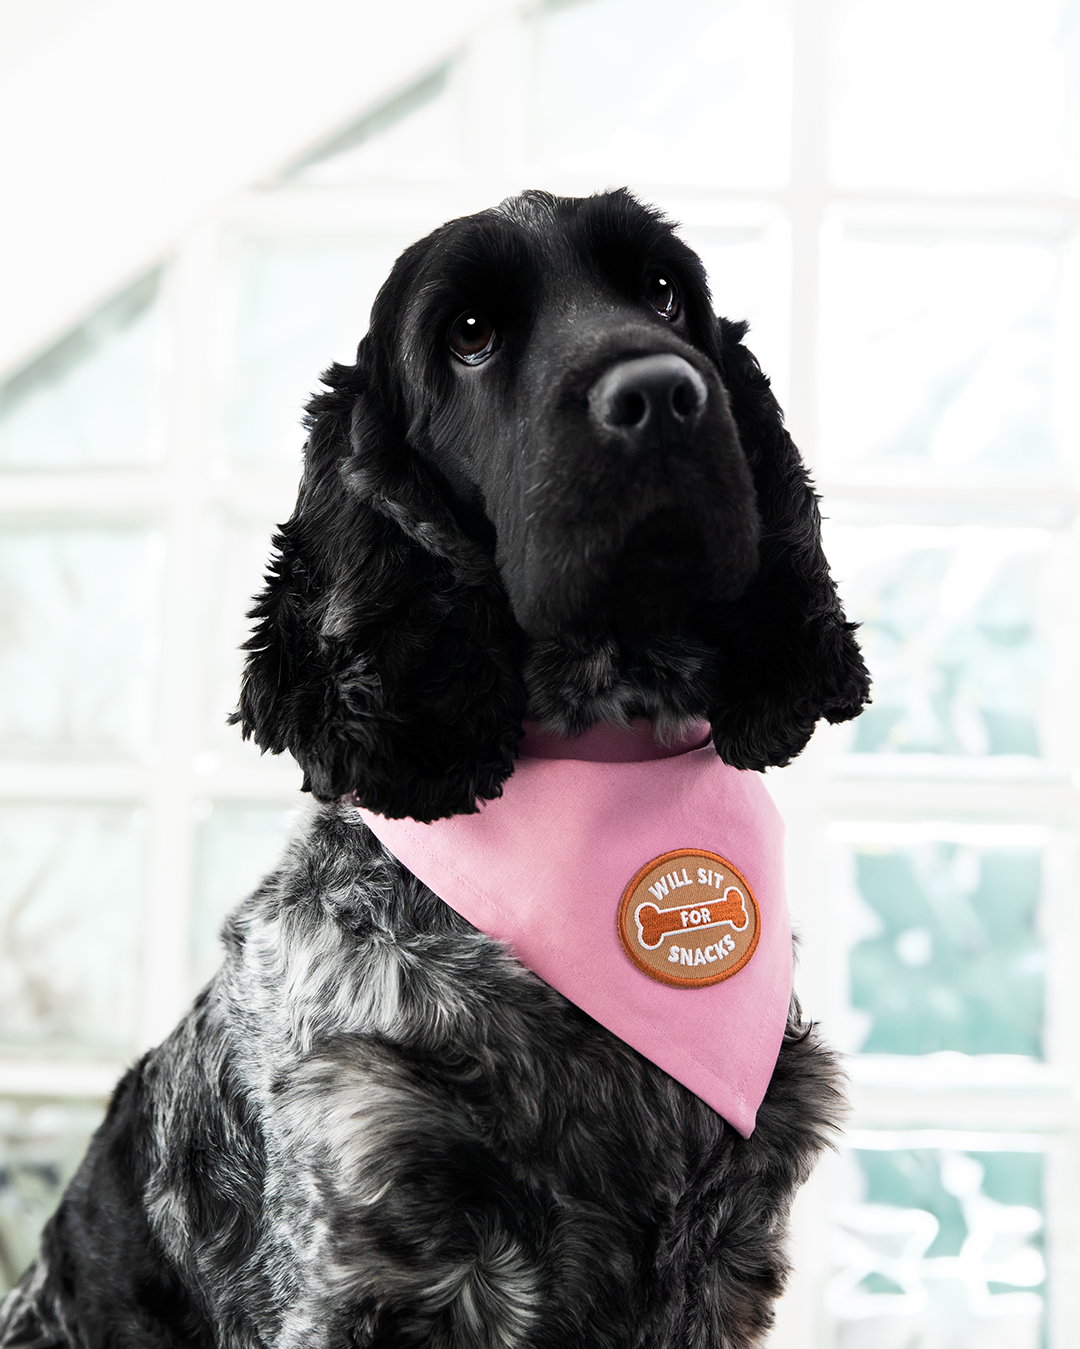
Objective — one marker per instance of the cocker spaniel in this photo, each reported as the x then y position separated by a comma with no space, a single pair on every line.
552,490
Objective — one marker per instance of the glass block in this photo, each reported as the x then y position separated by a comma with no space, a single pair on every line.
950,630
300,304
79,640
87,402
41,1146
627,91
415,136
71,881
940,1247
238,843
952,95
938,355
949,955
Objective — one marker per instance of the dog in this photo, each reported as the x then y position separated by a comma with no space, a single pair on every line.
553,488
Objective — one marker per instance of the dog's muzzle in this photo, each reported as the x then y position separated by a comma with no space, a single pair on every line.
638,509
648,402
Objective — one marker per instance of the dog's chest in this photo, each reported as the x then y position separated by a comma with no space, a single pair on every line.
431,1108
388,1023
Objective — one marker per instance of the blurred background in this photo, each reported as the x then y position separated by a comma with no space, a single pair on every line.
200,204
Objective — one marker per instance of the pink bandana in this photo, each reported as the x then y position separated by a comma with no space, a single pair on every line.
645,884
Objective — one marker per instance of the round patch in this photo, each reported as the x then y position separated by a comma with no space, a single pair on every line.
688,919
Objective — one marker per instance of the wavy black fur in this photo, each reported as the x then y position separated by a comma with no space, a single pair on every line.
374,1129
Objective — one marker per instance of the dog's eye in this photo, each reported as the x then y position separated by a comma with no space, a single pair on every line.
472,337
663,294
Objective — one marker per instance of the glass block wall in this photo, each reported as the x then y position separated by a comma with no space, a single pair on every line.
940,1240
889,194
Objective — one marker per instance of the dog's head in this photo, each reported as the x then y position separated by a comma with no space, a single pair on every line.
553,484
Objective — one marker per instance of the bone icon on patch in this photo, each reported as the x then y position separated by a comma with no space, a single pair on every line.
655,924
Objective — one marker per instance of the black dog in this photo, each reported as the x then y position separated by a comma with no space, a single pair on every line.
553,486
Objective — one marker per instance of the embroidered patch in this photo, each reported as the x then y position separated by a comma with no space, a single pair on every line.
689,919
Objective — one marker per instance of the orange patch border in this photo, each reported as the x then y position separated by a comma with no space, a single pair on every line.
661,976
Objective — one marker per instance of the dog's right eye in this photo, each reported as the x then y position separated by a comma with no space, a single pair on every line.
663,294
472,337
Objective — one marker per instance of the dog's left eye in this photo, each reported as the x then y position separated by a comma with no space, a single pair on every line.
663,294
472,337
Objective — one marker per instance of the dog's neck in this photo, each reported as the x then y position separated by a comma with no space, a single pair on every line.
606,742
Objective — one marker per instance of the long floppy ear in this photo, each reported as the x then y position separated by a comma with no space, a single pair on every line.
385,657
789,657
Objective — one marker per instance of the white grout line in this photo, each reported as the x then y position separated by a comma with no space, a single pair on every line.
188,589
74,1079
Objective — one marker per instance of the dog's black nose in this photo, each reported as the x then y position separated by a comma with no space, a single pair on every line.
649,400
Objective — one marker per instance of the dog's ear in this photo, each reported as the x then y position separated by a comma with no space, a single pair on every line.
385,657
788,655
